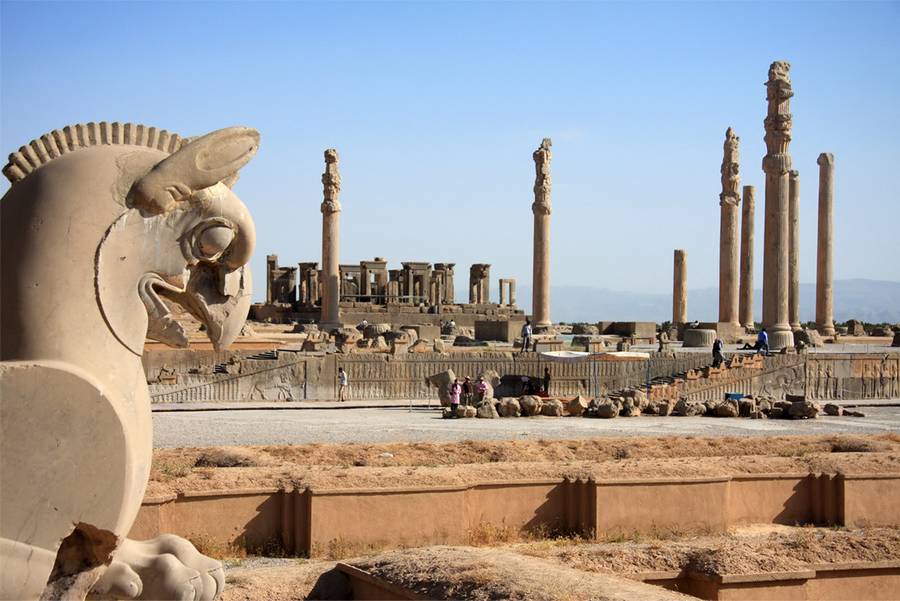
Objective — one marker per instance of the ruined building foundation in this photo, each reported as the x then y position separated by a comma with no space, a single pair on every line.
776,165
824,290
745,309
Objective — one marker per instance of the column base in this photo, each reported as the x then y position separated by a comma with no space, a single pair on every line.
826,330
780,340
542,328
327,327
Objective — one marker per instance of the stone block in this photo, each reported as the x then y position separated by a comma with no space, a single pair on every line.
426,331
699,338
496,329
531,405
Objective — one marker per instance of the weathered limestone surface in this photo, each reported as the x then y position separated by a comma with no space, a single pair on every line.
679,288
729,261
331,242
746,292
824,290
777,165
111,218
541,253
794,252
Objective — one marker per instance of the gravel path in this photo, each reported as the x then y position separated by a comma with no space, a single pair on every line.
260,426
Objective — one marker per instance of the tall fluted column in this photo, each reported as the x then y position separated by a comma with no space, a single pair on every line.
331,242
746,292
794,252
729,261
679,287
541,253
776,165
824,290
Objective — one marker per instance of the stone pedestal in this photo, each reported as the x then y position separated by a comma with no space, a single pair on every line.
794,252
777,165
745,309
330,316
729,261
679,288
541,252
824,290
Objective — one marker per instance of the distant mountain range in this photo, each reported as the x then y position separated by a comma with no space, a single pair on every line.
873,301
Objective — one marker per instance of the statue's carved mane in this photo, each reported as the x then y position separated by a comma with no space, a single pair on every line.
58,142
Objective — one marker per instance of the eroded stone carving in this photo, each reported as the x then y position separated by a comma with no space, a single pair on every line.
103,221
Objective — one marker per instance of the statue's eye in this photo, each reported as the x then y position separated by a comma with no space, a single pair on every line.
214,240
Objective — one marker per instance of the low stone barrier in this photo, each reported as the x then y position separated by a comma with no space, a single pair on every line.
324,522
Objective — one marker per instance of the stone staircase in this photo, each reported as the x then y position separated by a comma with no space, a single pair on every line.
745,374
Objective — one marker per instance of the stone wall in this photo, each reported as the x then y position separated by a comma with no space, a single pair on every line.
185,376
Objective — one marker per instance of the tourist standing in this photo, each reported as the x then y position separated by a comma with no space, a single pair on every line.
718,358
455,390
482,389
467,391
547,380
526,335
342,384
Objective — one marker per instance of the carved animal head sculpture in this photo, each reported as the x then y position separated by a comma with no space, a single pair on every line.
101,224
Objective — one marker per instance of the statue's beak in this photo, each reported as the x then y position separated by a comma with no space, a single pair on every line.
220,298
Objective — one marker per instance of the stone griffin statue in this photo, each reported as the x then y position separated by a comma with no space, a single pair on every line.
102,222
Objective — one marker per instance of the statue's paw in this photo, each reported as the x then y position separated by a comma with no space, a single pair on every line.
166,567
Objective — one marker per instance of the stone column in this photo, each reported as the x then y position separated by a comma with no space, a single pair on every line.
729,261
502,292
365,288
512,293
330,316
777,165
541,253
679,288
486,284
745,309
794,251
271,264
824,290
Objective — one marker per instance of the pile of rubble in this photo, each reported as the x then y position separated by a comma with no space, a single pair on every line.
627,403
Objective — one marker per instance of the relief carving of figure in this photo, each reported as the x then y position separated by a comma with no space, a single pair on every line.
102,222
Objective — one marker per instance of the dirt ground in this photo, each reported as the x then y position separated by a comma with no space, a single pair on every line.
330,466
566,568
759,549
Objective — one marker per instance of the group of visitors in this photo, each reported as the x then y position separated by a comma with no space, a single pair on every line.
466,392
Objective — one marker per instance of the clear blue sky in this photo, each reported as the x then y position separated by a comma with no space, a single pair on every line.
436,108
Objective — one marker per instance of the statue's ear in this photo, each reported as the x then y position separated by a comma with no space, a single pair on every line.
199,164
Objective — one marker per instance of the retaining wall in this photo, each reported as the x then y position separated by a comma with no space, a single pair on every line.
186,376
315,523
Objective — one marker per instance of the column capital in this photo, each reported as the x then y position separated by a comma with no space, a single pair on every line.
331,183
826,158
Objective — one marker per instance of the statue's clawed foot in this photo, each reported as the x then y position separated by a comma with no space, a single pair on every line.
166,567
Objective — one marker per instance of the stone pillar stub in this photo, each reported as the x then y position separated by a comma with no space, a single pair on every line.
330,316
776,165
541,251
794,251
824,264
729,259
745,309
679,288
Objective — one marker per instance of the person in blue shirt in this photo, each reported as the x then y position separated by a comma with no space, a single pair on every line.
762,342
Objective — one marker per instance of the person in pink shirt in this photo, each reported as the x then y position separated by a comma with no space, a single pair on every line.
455,391
482,389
